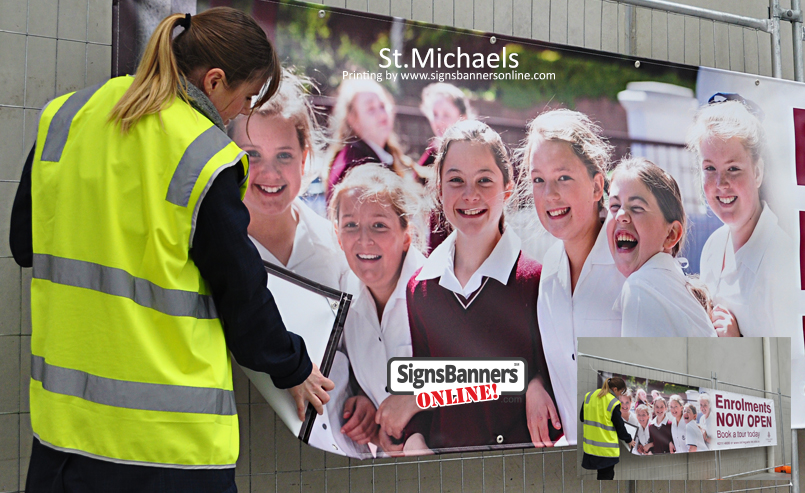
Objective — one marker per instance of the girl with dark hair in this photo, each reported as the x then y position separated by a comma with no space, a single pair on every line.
475,297
603,426
646,230
661,440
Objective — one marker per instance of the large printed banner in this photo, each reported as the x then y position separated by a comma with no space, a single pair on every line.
699,236
665,417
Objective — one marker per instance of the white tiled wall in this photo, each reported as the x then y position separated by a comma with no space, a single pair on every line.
48,47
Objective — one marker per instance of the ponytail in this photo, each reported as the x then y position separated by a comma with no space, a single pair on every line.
611,384
221,37
157,79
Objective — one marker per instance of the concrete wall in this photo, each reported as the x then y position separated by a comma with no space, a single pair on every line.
54,46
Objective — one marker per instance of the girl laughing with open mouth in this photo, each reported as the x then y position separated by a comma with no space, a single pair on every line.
646,231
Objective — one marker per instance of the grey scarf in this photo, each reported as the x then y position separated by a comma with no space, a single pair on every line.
202,103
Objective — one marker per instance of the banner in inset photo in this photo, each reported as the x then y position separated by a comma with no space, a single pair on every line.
498,197
664,417
740,421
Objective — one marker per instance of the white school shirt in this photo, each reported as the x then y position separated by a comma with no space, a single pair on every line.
695,437
664,421
678,432
642,437
708,424
315,253
371,342
587,312
758,282
655,302
316,256
498,265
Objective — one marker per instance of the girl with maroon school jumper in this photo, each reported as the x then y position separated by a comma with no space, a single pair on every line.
363,128
475,297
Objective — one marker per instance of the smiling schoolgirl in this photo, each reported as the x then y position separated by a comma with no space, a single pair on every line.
743,263
567,161
661,441
373,210
476,296
282,136
646,231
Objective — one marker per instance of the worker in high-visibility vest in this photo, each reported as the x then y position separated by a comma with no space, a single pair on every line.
129,211
603,425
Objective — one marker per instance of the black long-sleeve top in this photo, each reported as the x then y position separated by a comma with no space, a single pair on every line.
229,262
596,462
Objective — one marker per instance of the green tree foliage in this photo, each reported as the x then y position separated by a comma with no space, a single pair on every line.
577,76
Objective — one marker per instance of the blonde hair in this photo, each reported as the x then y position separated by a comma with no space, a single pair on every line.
292,103
342,133
438,90
378,183
642,407
727,120
578,131
220,37
676,399
700,291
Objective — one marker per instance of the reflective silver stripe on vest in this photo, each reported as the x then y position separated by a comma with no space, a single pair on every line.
612,404
132,395
587,400
128,462
60,124
118,282
599,425
600,444
197,154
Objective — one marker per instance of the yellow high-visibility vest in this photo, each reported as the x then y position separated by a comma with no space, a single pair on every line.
129,362
600,437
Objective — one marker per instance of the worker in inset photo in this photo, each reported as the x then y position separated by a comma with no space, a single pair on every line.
603,426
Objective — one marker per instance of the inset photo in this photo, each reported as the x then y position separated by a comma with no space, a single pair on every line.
683,408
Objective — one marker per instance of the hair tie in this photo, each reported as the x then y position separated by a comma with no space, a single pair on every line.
185,23
751,106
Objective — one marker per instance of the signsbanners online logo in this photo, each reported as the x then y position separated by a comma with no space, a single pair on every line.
440,382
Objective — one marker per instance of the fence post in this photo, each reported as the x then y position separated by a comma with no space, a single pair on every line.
631,30
794,462
776,49
780,408
796,40
714,376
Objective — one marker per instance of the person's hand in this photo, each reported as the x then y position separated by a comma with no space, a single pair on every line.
725,323
641,450
385,442
706,438
415,445
313,390
539,409
672,448
360,415
631,445
395,412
